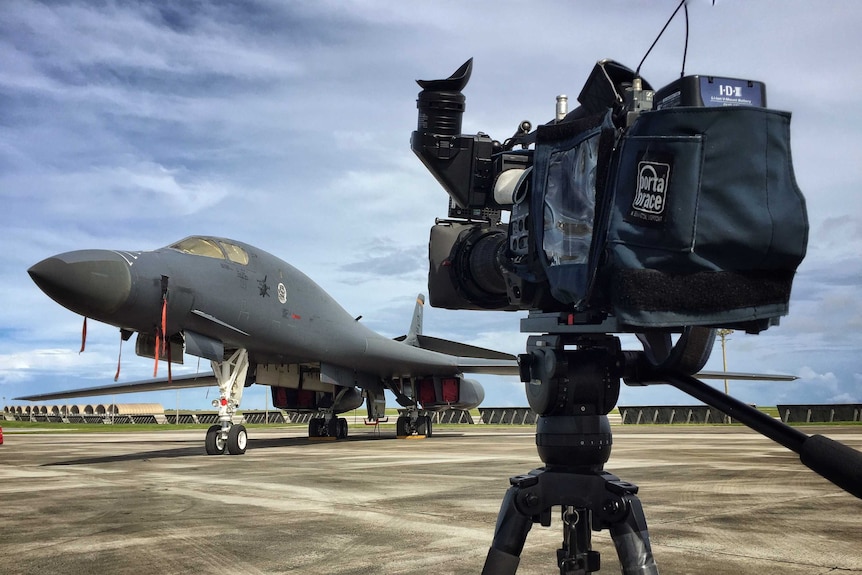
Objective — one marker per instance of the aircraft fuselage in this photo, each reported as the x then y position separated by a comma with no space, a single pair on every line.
227,291
260,320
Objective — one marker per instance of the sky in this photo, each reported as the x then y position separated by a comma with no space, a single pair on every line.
286,125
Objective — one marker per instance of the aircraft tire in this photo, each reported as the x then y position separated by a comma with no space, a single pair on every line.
401,426
237,440
213,442
428,430
333,429
342,428
314,427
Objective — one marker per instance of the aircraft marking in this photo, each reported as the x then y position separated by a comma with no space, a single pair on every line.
129,257
264,288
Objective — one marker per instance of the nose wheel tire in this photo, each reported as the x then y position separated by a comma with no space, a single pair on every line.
235,443
215,445
237,440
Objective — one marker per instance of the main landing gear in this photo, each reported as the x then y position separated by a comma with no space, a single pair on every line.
225,435
327,427
413,424
327,424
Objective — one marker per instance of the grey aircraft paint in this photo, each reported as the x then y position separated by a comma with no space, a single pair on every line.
260,320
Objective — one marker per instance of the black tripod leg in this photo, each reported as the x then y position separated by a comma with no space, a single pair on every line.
509,537
631,539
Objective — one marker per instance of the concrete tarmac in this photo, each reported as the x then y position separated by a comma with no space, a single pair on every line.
718,500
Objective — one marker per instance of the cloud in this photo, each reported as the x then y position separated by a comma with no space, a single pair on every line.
806,373
22,366
130,125
120,192
385,259
845,397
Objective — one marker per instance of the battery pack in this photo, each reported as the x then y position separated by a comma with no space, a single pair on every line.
711,91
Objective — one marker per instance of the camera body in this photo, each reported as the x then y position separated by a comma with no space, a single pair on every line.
617,213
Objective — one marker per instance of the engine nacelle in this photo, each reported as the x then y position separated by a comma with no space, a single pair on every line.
311,401
295,388
439,393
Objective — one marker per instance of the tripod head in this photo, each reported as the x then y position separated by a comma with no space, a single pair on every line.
572,375
573,390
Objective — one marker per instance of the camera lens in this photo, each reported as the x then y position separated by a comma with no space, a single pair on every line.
484,263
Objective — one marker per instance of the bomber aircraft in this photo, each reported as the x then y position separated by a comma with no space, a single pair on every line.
260,320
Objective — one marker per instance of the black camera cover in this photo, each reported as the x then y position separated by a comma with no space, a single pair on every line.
707,224
691,217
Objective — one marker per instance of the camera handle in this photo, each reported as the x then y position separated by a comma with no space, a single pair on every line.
832,460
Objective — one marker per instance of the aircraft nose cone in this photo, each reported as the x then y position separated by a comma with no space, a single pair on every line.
92,283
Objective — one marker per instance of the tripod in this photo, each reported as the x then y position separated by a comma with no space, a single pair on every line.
573,390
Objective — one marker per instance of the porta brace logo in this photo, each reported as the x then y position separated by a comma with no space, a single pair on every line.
650,197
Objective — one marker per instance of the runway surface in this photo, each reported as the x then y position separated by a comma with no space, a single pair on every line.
717,500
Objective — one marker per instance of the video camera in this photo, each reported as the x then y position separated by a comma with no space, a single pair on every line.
638,210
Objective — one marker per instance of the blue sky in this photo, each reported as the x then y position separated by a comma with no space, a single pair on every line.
129,125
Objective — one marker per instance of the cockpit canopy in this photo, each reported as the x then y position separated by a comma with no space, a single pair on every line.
212,248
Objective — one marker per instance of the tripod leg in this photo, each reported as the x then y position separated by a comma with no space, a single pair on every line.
631,539
509,536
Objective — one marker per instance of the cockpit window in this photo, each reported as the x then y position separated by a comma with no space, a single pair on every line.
212,248
235,253
199,247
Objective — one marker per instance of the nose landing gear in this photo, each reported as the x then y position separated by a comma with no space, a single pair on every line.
225,435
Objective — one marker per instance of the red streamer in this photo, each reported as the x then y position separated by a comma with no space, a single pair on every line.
156,351
161,340
164,314
84,336
119,357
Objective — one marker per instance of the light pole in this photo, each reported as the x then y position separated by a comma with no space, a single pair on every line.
723,333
